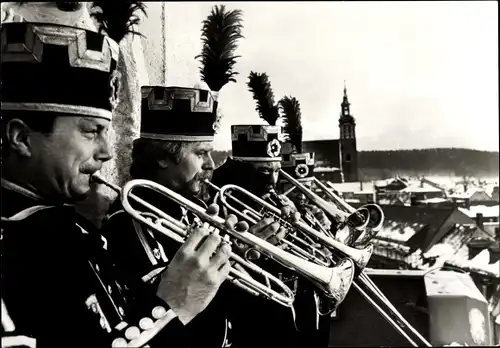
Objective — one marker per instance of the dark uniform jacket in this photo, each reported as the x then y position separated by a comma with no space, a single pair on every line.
140,253
269,319
59,286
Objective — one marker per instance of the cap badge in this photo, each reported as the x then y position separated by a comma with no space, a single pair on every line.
302,170
114,84
273,148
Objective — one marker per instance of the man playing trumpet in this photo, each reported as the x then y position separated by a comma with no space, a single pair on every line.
59,286
254,165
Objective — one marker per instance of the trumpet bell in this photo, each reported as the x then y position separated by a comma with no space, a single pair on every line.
359,219
375,224
376,216
341,278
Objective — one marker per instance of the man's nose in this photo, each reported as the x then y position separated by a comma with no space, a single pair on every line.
274,178
104,153
209,163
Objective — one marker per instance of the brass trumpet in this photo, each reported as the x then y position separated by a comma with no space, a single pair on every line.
335,281
359,256
251,215
364,285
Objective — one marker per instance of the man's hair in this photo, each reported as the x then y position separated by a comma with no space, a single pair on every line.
146,153
38,121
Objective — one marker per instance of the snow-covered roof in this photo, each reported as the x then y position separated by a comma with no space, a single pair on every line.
434,200
480,263
398,231
418,187
326,169
493,211
354,187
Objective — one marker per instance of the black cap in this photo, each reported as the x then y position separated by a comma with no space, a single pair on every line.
261,143
178,114
57,68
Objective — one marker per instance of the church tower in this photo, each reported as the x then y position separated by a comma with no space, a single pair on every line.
348,150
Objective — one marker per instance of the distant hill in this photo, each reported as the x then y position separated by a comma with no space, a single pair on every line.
444,161
441,161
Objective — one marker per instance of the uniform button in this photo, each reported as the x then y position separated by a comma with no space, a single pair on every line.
122,312
97,268
146,323
132,333
159,312
119,343
110,290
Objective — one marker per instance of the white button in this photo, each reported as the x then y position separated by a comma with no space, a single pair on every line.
146,323
132,333
119,343
159,312
109,289
97,268
120,309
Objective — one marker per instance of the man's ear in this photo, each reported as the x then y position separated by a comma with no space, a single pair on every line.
18,137
162,163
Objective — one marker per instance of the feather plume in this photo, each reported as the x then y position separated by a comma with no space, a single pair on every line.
220,32
259,85
117,18
293,118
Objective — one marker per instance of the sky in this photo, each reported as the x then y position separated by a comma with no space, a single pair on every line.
418,74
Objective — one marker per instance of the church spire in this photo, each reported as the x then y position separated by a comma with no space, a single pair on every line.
345,103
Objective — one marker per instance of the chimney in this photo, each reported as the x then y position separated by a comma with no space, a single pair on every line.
479,220
497,234
361,186
467,203
422,183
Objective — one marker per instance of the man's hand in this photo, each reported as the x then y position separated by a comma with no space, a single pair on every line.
196,272
320,216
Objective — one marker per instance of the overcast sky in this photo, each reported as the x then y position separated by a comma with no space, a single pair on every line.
419,74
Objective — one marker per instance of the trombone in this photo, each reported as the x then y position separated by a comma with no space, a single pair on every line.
335,281
364,284
376,213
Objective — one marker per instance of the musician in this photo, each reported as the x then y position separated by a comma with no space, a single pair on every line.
300,165
59,286
254,165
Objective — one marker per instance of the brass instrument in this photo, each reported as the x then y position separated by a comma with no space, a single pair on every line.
376,213
335,281
309,251
363,284
356,222
360,257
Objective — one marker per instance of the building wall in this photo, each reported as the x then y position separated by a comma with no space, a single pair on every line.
349,155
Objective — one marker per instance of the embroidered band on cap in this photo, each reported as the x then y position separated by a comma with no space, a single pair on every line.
256,143
178,114
299,165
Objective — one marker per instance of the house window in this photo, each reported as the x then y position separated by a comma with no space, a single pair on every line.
348,158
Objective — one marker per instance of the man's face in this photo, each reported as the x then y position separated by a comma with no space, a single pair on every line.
66,158
270,171
196,165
